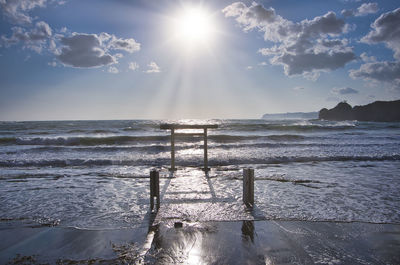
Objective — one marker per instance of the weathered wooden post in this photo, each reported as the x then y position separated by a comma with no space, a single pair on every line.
205,151
248,187
154,188
172,150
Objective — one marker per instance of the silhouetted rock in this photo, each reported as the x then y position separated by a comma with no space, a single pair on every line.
385,111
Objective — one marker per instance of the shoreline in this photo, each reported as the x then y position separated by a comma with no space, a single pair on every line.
229,242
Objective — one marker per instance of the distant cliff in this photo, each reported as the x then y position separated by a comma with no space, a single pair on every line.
291,115
385,111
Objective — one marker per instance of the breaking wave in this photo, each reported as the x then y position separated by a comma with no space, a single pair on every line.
126,140
189,161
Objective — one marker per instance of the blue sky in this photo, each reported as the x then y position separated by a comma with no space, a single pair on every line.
147,60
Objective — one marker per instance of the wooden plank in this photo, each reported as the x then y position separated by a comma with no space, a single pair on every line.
166,126
189,134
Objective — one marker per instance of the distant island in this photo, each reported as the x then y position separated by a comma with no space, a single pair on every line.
291,116
380,111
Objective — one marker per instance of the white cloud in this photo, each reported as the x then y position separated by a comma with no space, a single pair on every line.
128,45
92,50
133,66
367,58
249,67
385,29
262,64
347,12
113,70
367,8
363,10
153,68
344,90
34,39
295,64
304,48
17,11
250,17
387,72
75,50
84,50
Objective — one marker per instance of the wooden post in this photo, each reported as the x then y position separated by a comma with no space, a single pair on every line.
248,187
172,150
154,188
245,184
205,151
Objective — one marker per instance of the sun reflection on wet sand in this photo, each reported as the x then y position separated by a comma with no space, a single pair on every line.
188,230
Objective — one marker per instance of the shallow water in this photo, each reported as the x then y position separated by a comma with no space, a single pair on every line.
94,174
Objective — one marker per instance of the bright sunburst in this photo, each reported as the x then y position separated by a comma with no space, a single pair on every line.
193,26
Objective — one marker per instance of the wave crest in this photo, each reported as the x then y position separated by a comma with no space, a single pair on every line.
189,162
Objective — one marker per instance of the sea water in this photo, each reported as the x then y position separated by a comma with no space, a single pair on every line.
95,174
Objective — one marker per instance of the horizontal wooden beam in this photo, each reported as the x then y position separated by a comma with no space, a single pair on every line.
189,134
166,126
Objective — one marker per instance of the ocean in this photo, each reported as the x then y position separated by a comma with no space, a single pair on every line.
95,174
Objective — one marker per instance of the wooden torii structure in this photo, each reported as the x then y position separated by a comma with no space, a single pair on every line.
174,127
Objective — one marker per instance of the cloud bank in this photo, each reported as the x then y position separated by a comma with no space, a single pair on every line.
34,38
74,50
303,48
386,30
17,11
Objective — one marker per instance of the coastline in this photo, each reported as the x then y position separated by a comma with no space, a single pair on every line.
231,242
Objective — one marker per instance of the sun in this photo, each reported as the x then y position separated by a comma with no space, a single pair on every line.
193,27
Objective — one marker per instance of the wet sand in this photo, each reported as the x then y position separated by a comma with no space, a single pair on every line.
64,245
276,242
195,225
238,242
